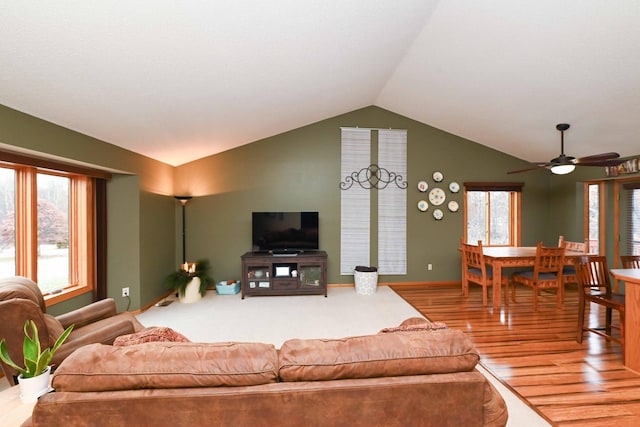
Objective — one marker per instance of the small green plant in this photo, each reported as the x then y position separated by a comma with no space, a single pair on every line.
178,280
36,360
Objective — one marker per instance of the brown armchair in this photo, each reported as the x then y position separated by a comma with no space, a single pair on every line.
21,300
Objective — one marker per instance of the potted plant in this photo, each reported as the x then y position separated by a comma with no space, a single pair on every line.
34,376
190,281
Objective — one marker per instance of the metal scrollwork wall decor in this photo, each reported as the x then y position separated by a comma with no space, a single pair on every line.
373,176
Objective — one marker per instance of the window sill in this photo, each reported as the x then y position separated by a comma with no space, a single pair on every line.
66,294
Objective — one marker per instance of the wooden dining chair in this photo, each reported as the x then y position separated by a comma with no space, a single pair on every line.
546,274
595,287
569,271
630,261
476,271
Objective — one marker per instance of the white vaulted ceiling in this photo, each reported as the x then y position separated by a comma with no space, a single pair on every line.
180,80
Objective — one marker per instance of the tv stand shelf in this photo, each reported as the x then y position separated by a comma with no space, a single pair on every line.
303,273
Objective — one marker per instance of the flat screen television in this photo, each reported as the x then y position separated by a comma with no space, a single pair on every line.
285,231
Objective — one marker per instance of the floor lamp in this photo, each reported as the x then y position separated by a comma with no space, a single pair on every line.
183,201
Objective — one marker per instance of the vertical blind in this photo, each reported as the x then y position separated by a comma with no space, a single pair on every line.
633,217
355,218
355,203
392,204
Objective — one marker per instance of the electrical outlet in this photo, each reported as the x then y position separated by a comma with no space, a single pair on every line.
429,267
125,292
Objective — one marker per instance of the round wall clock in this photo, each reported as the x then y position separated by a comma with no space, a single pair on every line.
437,214
437,196
423,205
437,176
423,186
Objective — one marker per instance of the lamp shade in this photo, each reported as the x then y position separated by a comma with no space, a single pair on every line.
562,169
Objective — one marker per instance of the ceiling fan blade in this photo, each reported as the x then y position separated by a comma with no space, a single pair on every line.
613,162
566,163
598,158
533,166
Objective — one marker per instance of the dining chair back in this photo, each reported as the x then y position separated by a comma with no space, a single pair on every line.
546,274
569,271
630,261
595,287
573,246
475,270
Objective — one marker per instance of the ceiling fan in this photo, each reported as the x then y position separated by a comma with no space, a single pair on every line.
564,164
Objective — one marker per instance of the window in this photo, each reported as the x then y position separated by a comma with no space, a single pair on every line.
492,213
47,230
593,196
7,222
633,217
40,234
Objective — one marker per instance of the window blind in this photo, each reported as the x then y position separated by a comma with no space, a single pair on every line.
633,217
392,204
355,203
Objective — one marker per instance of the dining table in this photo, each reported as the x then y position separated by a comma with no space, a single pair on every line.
499,257
631,279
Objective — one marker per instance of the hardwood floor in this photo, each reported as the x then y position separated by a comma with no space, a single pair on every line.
536,355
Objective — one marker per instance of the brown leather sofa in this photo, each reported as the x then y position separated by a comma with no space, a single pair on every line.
21,300
403,378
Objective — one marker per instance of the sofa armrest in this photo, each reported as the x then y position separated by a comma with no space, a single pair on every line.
91,313
495,408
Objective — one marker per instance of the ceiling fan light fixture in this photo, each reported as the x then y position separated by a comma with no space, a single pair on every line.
562,169
564,164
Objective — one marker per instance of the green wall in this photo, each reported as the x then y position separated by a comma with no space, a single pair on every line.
296,170
124,257
300,170
140,205
157,245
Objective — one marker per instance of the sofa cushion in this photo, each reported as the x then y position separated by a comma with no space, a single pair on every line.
99,367
155,334
382,355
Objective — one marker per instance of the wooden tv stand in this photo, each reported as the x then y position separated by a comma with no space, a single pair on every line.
265,273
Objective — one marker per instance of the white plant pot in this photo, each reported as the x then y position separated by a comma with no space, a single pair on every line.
192,292
32,388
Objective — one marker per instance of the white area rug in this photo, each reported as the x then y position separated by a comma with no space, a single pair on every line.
276,319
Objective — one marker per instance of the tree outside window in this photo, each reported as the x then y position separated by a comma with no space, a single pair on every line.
40,236
492,213
7,222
